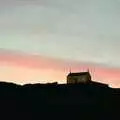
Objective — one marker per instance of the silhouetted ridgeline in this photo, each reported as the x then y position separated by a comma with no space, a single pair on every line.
93,101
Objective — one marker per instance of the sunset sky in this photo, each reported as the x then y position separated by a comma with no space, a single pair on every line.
40,40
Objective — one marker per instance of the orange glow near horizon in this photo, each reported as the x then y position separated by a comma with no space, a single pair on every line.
21,75
23,69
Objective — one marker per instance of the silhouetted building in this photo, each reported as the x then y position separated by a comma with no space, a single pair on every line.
80,77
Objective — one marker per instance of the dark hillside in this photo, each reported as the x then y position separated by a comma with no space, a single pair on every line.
53,101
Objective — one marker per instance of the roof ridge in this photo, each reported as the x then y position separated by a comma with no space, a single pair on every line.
78,73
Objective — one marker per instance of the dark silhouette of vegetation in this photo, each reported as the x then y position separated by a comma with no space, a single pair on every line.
93,101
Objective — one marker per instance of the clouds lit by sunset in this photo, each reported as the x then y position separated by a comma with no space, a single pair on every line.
40,40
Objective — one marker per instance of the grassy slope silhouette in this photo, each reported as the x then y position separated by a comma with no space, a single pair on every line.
54,101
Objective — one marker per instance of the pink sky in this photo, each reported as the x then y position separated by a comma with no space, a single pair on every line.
24,68
80,35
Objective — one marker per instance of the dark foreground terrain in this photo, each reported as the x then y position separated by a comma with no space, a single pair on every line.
91,101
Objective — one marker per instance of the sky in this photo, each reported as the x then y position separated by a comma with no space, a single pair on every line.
40,40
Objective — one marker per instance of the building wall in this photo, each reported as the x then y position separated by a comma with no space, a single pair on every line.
78,79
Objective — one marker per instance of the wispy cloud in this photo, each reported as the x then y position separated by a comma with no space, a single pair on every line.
40,68
54,34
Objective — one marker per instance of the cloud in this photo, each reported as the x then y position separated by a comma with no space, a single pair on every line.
25,68
29,61
72,30
76,30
